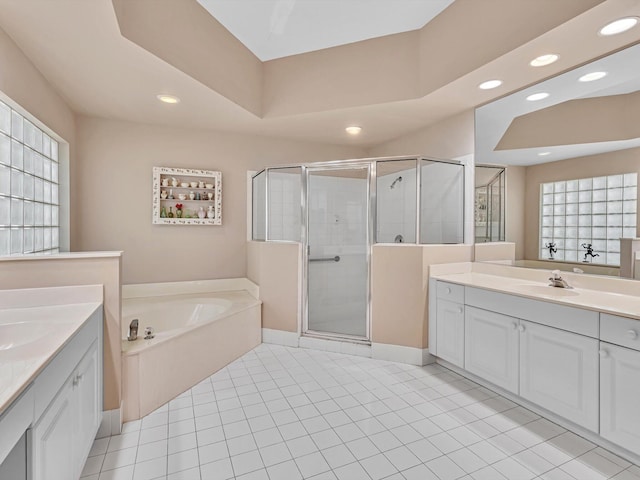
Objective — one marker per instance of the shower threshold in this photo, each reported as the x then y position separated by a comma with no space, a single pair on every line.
337,337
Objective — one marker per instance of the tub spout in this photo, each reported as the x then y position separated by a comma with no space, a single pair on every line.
133,330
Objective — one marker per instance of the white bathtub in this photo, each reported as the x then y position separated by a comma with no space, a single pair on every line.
195,334
170,315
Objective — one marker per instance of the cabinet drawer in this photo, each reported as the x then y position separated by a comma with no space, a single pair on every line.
450,292
620,331
576,320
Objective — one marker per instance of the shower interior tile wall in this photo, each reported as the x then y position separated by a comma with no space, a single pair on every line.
397,206
284,206
442,204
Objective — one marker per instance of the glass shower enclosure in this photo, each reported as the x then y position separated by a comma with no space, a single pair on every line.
338,211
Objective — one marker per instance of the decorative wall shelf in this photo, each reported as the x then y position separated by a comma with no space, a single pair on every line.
202,192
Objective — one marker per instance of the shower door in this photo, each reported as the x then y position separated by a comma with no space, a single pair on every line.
337,253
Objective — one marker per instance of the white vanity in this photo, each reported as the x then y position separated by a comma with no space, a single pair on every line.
50,380
572,352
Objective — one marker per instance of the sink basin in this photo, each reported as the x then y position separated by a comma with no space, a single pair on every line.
547,290
18,334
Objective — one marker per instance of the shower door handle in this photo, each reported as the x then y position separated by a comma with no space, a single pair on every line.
326,259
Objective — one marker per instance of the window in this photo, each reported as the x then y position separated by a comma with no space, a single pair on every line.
29,196
597,211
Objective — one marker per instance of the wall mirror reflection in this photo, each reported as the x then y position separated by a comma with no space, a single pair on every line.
574,141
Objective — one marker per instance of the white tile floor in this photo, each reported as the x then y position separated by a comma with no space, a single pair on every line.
282,413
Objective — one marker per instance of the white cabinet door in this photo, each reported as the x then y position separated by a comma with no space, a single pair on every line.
559,371
450,332
52,439
491,347
88,403
619,394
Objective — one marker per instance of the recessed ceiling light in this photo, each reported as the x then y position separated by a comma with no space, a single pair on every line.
543,60
537,96
489,84
168,98
353,130
544,154
619,26
590,77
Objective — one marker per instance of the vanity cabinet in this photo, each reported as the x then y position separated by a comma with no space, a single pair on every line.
620,381
62,437
199,192
450,322
492,347
559,372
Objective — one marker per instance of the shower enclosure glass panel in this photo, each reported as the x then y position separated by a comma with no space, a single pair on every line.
338,251
489,204
285,211
441,202
259,206
396,192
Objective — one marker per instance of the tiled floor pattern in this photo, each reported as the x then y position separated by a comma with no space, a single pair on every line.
281,413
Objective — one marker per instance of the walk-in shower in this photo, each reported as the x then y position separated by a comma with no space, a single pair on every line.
338,210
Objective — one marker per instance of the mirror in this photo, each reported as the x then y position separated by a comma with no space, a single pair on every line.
585,124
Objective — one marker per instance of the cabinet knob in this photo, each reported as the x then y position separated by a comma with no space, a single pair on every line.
632,334
514,325
603,354
521,328
447,290
459,309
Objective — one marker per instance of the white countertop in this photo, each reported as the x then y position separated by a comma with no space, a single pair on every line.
60,256
626,305
30,336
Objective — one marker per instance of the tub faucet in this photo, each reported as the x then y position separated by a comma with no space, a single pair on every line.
133,330
557,281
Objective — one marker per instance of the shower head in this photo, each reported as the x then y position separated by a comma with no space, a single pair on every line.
393,185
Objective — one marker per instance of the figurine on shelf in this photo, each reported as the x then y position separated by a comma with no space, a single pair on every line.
174,182
170,197
192,195
163,194
201,213
197,196
165,182
210,195
200,184
163,212
178,210
170,214
210,212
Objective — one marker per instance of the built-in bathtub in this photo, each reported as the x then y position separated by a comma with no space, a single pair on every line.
198,328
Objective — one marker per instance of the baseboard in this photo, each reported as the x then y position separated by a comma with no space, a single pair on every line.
280,337
401,354
111,423
325,345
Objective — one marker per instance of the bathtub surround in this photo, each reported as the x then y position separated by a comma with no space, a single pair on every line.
198,330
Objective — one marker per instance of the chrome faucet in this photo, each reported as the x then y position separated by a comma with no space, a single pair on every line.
133,330
557,281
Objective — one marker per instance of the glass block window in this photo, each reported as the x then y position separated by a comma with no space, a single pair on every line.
29,208
597,211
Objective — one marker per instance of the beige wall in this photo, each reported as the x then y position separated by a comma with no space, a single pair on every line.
114,183
515,208
399,290
21,81
448,139
80,271
623,161
275,267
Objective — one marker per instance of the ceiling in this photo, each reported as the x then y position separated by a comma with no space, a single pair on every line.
280,28
496,120
391,86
